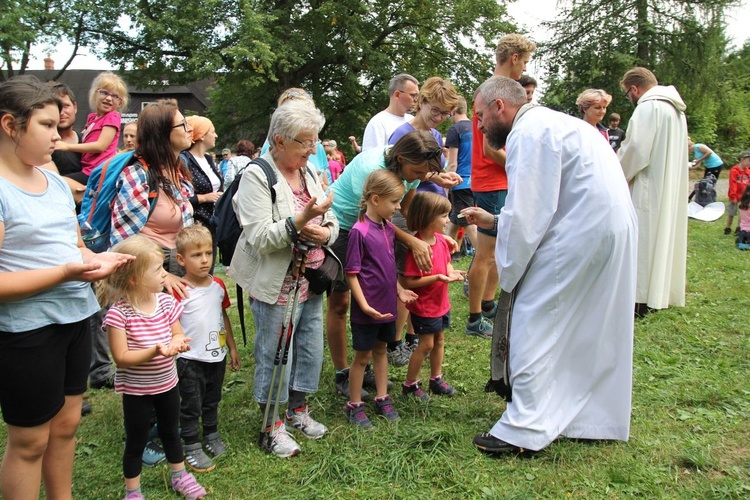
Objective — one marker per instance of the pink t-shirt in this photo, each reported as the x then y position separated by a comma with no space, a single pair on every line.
165,222
144,331
335,168
433,301
94,126
744,220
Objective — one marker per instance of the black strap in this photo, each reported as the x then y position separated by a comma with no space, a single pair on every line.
241,311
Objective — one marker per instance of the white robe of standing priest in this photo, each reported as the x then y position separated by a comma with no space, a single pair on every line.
566,246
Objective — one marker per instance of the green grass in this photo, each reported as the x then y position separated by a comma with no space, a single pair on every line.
690,434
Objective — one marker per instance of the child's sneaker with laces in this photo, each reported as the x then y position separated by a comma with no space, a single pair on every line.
196,459
153,454
414,391
355,413
300,419
136,495
384,406
441,387
280,443
480,328
214,445
400,355
188,486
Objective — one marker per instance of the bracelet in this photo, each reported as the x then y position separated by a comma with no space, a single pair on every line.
291,229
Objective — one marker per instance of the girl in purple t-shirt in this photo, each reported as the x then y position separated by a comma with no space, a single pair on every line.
430,315
371,275
107,97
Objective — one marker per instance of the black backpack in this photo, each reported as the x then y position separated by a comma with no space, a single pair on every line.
705,192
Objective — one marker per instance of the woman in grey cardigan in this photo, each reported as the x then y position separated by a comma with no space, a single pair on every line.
263,265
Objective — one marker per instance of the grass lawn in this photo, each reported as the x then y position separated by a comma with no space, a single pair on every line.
690,433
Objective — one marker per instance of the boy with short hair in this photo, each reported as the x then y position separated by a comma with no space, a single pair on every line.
739,178
201,369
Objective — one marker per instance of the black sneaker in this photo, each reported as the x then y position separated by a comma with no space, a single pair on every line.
488,443
727,230
342,385
369,380
85,408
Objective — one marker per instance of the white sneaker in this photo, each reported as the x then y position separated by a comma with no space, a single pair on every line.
300,419
281,443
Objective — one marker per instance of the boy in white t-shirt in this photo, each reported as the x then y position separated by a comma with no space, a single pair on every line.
201,369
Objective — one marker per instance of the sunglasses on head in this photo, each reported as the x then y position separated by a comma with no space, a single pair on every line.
429,155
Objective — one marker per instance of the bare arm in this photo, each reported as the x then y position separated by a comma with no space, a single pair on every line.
452,160
496,155
101,144
234,357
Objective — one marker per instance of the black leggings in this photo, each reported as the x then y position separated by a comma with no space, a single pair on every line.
137,411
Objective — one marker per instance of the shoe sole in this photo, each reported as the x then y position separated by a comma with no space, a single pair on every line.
477,334
199,470
499,451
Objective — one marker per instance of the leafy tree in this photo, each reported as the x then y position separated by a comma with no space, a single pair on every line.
342,51
596,41
27,23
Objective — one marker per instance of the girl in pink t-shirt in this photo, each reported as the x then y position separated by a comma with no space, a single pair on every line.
430,313
145,335
107,97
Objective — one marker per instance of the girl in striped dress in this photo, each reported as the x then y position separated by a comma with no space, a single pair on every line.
145,335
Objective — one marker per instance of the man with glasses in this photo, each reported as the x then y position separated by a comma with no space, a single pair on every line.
403,90
654,157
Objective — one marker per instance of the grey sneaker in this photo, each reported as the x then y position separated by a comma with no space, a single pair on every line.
214,445
280,443
342,385
196,459
355,413
300,419
400,355
385,407
480,328
369,380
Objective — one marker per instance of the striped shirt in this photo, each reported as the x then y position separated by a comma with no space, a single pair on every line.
143,332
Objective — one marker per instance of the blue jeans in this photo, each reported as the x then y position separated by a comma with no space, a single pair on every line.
305,360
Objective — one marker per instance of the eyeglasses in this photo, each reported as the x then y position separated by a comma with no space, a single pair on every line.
627,93
306,144
106,94
413,96
183,124
429,155
439,113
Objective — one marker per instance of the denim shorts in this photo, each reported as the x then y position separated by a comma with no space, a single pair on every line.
305,360
365,336
493,202
425,326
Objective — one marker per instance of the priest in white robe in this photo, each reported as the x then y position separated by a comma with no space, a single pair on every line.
566,247
654,157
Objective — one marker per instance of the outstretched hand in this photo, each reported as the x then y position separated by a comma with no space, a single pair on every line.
313,208
479,216
99,266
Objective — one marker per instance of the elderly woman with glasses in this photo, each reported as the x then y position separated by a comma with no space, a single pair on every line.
592,103
415,157
264,265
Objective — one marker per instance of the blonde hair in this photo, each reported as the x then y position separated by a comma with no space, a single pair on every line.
111,83
197,234
438,91
424,208
125,281
589,97
513,44
639,77
380,182
295,94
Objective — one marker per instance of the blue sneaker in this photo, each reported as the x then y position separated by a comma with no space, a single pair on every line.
384,406
153,454
480,328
